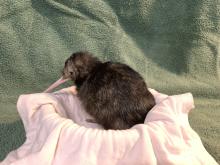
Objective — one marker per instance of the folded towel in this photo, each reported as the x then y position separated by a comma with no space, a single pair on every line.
57,133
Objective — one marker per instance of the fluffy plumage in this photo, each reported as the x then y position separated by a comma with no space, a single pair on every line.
113,93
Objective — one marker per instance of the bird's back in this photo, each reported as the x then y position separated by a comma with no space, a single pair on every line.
116,96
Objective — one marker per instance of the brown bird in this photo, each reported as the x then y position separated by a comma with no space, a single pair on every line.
114,94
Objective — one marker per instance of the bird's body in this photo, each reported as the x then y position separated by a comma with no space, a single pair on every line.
114,94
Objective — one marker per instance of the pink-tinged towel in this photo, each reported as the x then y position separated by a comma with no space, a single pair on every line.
57,133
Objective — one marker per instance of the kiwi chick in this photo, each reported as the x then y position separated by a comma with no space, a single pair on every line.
114,94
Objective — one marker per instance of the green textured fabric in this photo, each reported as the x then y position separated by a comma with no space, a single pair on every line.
174,44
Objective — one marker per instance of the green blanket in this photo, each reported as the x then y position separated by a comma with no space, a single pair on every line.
174,44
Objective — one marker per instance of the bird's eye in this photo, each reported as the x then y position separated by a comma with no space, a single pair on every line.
71,73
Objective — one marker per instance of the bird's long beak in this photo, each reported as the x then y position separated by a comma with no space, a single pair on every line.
56,84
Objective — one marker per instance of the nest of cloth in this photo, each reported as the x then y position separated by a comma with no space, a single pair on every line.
57,132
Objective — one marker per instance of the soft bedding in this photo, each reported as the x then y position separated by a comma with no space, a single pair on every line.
57,133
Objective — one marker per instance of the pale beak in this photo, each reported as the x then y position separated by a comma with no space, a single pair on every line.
56,84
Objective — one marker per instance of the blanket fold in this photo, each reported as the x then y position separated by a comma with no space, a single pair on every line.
57,133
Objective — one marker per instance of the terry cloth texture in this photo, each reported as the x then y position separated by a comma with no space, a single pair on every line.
174,44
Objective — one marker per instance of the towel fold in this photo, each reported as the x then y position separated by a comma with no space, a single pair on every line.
57,133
